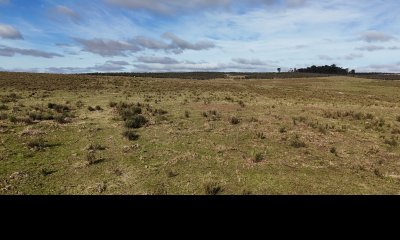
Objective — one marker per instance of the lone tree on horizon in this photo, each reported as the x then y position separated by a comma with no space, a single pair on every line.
279,70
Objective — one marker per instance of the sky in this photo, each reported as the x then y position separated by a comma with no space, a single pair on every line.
199,35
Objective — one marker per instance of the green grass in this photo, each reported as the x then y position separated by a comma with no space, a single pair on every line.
332,135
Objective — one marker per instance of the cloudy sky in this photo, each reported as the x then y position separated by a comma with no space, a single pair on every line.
198,35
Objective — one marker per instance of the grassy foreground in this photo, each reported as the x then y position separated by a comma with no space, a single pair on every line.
71,134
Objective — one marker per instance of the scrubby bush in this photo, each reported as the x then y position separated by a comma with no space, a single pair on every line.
113,104
79,104
187,114
160,112
261,135
137,121
3,116
37,144
58,107
259,157
392,142
297,142
234,120
282,129
131,135
3,107
212,188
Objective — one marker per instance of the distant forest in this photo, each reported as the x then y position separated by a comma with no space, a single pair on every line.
333,69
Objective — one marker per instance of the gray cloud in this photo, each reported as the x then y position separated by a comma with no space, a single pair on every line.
107,47
63,11
325,57
9,32
353,56
254,62
395,67
394,48
178,45
120,63
160,60
370,48
375,36
172,7
169,7
300,46
110,48
109,66
10,52
295,3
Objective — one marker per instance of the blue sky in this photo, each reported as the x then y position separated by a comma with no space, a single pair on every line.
199,35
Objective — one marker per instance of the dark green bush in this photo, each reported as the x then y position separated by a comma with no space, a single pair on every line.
137,121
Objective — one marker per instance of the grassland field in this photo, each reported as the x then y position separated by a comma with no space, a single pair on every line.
80,134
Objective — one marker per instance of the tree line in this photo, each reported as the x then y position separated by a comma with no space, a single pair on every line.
332,69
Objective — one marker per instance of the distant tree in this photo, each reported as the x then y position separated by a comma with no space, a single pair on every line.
279,70
353,71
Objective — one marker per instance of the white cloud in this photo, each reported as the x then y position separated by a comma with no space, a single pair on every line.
9,32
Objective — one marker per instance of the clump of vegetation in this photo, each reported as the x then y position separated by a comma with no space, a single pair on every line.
95,147
3,107
37,144
62,118
378,173
12,119
159,112
58,107
91,158
323,129
172,174
261,135
40,116
3,116
348,114
334,151
297,142
113,104
396,131
79,104
392,142
253,119
234,120
241,103
187,114
91,109
127,111
259,157
98,108
131,135
136,121
299,119
204,114
12,97
45,172
282,129
212,188
398,118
